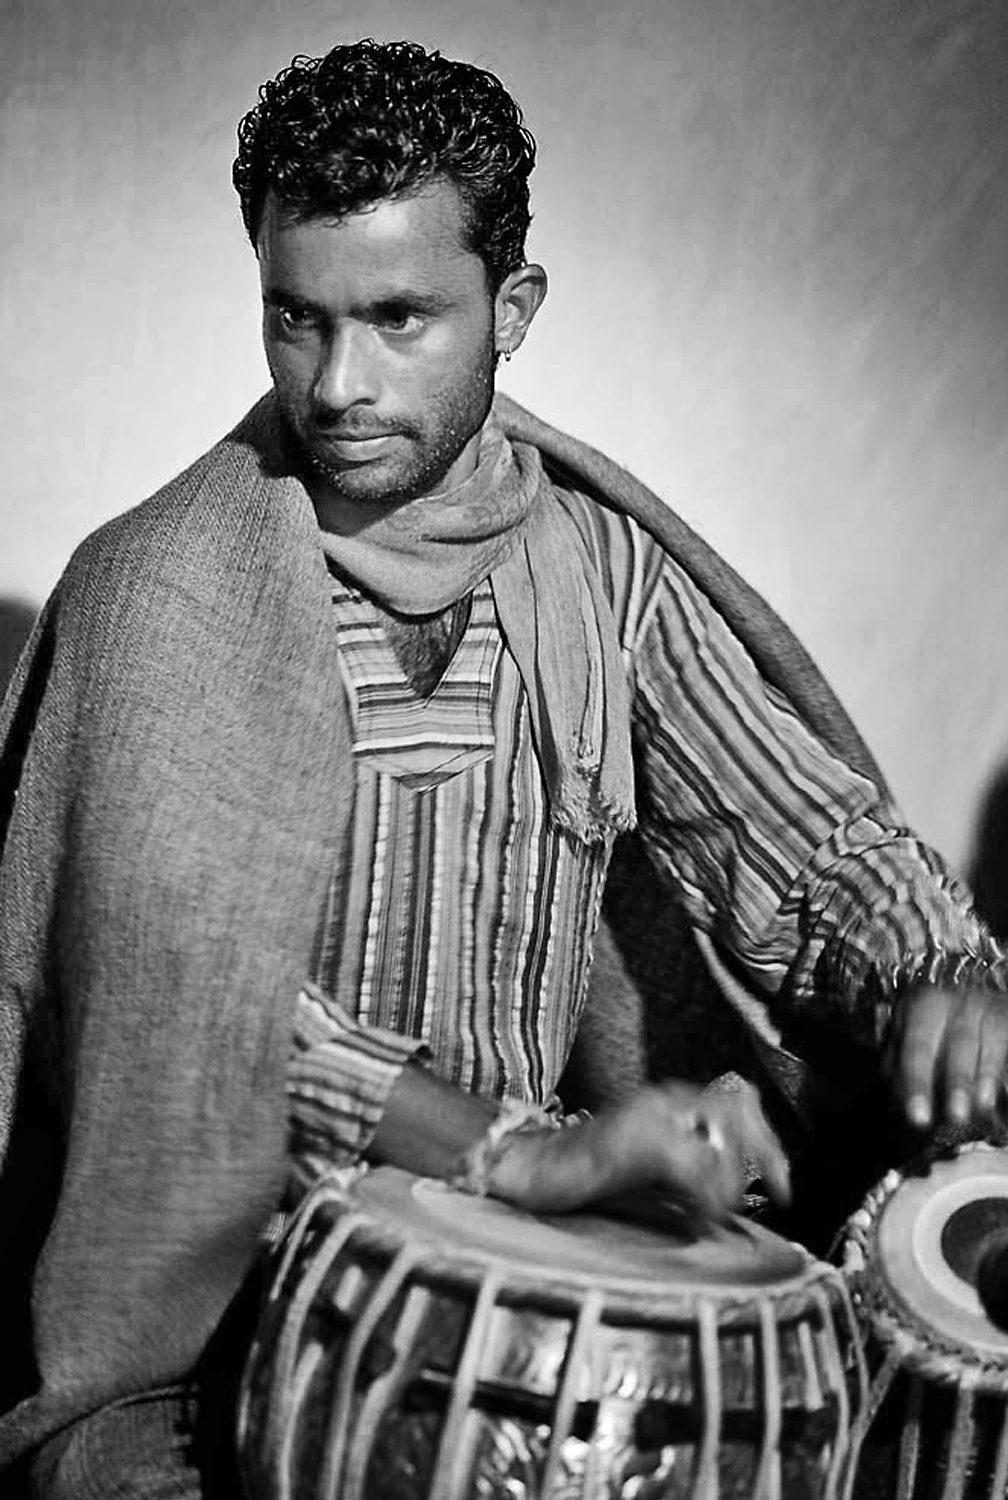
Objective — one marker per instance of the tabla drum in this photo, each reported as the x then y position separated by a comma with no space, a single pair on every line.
934,1427
418,1342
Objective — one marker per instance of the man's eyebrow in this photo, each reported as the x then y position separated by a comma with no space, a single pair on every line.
276,296
411,301
428,303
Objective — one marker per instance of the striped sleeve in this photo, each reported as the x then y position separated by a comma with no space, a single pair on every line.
794,863
339,1076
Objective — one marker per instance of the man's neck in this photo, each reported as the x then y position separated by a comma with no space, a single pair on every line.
425,644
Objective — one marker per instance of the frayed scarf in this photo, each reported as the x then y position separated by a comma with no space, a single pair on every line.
506,522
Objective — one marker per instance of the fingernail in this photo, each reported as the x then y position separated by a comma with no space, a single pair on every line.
986,1093
959,1106
918,1111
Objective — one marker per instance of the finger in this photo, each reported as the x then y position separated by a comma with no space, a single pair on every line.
701,1194
728,1180
924,1018
962,1054
993,1053
717,1163
682,1146
763,1145
717,1174
775,1169
732,1128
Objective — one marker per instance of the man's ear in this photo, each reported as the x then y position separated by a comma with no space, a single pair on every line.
518,299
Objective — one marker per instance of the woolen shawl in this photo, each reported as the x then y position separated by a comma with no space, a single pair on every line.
177,736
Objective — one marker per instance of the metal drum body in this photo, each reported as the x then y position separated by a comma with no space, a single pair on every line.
935,1425
417,1342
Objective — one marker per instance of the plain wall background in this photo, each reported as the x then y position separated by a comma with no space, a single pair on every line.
776,232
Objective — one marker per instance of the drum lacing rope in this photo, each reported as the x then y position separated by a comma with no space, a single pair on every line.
909,1446
577,1370
768,1472
837,1380
706,1483
844,1463
904,1355
957,1466
380,1298
1000,1485
384,1391
962,1445
291,1378
325,1192
942,1363
452,1455
330,1189
790,1301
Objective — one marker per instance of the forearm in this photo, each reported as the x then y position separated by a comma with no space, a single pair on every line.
435,1129
429,1125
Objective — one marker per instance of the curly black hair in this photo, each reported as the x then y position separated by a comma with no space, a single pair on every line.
368,121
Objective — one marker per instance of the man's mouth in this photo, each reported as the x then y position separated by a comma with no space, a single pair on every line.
352,447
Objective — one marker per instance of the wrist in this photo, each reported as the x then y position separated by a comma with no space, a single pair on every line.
499,1164
520,1168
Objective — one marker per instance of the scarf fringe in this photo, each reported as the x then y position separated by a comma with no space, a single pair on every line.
580,809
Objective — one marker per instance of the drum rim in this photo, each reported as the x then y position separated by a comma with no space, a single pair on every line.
648,1301
883,1310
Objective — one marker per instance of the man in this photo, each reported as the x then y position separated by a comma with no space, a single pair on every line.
314,768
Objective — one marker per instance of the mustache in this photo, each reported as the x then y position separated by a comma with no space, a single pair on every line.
342,427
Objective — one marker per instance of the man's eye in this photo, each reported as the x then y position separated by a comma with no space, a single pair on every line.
294,319
399,320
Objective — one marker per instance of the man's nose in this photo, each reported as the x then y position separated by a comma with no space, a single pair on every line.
347,374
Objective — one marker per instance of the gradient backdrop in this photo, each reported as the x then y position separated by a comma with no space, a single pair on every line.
776,232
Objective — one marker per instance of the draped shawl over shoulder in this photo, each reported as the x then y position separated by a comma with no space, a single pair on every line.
176,739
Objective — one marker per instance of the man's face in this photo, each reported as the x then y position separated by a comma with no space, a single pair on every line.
379,332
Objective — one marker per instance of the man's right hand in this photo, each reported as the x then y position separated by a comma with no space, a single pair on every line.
670,1138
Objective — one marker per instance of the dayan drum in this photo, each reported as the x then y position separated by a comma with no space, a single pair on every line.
417,1342
915,1254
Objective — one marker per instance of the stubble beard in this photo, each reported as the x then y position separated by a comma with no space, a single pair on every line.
432,458
421,471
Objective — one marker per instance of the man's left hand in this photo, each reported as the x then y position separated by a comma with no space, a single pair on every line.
951,1049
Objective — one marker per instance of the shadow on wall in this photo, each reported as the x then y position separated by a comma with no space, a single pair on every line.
16,621
988,871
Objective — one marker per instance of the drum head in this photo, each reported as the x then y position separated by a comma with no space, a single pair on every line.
930,1237
634,1257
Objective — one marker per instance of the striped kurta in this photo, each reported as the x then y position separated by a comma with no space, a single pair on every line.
459,920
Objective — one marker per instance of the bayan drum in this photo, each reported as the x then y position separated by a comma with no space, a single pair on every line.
418,1342
917,1255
